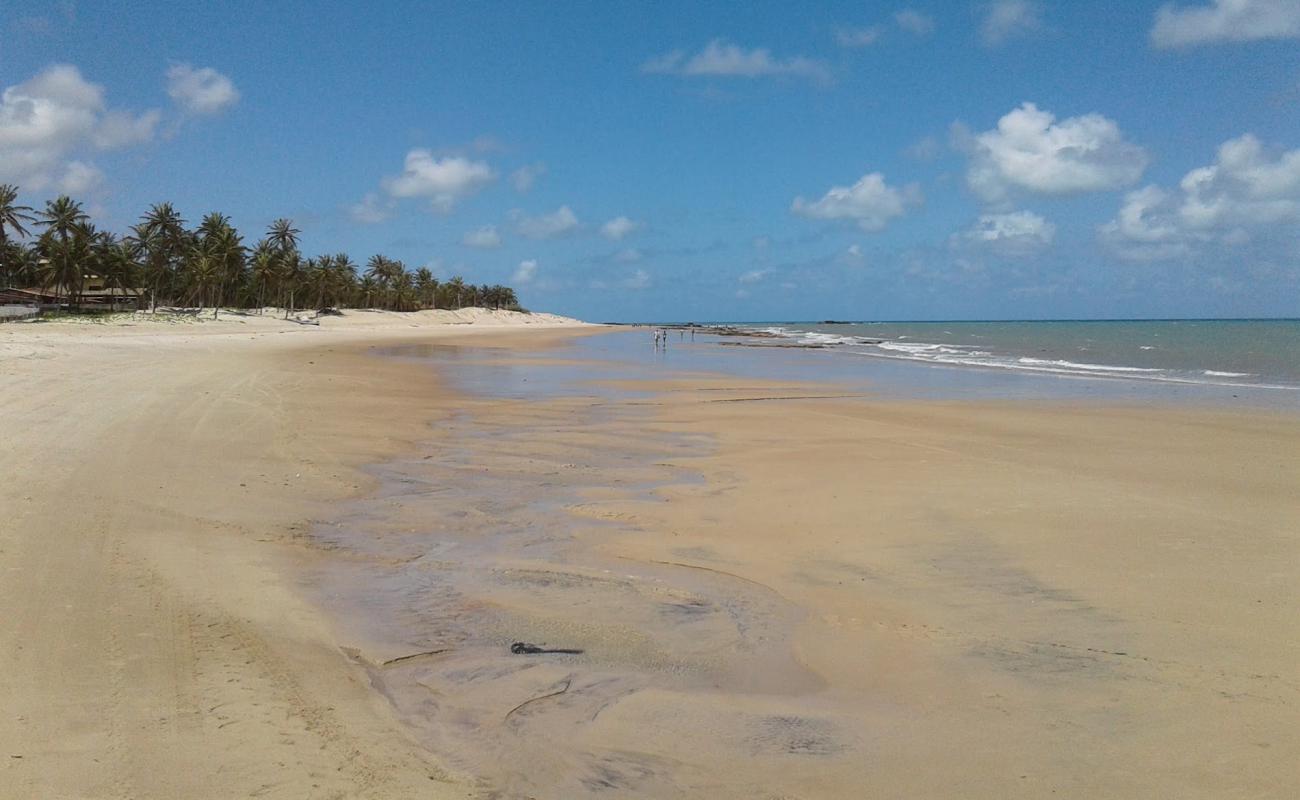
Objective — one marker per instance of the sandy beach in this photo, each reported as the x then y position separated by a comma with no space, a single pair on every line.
152,477
251,559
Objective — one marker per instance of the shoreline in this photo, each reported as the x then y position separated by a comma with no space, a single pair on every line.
593,543
203,585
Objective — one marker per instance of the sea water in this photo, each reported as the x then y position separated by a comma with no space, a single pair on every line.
1239,353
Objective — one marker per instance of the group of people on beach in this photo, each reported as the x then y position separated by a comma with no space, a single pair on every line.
661,337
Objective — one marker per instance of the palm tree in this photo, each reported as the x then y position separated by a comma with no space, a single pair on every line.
264,272
66,245
12,216
455,290
221,243
63,216
283,235
161,233
426,287
116,260
366,289
210,265
289,276
204,274
403,291
64,259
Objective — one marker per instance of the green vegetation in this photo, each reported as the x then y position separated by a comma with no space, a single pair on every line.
57,248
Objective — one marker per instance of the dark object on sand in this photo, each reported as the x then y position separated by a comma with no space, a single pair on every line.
528,649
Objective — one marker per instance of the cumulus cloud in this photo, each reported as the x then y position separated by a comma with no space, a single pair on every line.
202,91
560,222
870,202
720,58
370,210
485,237
1015,233
618,227
524,177
444,181
1246,188
525,272
49,123
1145,228
1009,19
754,276
123,129
857,37
1031,150
914,21
1226,21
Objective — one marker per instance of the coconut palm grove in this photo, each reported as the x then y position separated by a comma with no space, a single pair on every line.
56,249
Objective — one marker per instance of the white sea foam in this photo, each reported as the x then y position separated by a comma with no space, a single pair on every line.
971,356
1090,367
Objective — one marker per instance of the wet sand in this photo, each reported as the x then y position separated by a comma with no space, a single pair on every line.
155,482
290,568
832,596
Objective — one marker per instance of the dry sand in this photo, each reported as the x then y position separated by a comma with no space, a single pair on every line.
778,598
150,480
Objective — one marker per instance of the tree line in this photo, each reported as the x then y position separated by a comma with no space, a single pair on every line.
210,266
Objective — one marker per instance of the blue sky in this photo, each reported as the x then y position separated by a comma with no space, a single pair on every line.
745,161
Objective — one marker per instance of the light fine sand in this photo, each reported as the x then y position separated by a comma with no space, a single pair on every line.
850,598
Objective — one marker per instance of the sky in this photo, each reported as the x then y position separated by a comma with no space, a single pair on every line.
716,161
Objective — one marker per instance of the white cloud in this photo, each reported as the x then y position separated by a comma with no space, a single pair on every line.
870,202
1016,233
485,237
723,59
618,227
1243,187
925,149
754,276
370,210
1009,19
444,181
857,37
80,178
637,280
527,175
202,91
123,129
1246,188
525,273
560,222
1031,150
1145,228
48,123
914,21
1226,21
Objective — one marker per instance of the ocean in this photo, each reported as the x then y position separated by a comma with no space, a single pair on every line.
1262,354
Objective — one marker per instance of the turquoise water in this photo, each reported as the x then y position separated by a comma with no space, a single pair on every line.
1241,353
